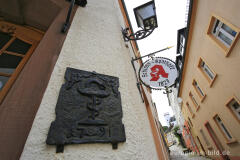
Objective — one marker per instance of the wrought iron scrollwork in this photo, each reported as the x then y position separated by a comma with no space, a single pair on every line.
141,34
167,91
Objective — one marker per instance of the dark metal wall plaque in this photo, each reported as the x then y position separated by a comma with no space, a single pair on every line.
88,110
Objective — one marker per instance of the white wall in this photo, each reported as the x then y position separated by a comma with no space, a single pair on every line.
95,43
176,107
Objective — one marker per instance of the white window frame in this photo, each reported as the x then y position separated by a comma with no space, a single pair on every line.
198,88
182,40
221,30
190,110
194,100
207,70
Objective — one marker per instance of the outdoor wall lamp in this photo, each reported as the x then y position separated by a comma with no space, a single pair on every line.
146,19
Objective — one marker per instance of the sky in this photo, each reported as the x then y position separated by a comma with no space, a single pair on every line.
170,17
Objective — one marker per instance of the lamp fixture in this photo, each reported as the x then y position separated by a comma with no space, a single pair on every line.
146,19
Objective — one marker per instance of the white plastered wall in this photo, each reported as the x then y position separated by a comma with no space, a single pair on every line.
94,43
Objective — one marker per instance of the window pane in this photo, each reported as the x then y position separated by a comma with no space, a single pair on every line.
8,63
204,137
3,81
224,38
223,128
202,64
215,27
226,131
236,105
194,100
19,46
182,39
189,108
4,38
198,88
229,30
207,70
201,92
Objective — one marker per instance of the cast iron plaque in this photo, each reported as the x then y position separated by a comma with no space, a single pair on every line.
88,110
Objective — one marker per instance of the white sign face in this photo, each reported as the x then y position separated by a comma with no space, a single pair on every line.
158,73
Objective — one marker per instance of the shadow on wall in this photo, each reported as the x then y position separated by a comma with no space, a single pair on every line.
34,13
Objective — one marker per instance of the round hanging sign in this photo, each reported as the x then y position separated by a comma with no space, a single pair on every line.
158,73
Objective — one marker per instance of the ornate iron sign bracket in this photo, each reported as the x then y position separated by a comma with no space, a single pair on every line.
81,3
88,110
141,34
138,83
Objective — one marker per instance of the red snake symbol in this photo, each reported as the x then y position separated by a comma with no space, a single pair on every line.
158,70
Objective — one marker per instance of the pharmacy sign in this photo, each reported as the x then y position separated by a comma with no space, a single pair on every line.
158,73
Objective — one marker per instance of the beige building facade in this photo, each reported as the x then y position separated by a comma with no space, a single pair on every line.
209,85
94,42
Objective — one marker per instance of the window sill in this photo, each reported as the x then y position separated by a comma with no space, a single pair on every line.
225,49
232,141
212,81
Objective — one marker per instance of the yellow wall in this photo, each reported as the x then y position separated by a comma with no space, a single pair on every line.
227,83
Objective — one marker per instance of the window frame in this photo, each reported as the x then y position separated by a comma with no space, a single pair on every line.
190,122
205,139
197,89
210,81
190,110
222,45
228,141
196,104
21,33
230,108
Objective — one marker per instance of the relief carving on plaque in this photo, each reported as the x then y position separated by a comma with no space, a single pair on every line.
88,110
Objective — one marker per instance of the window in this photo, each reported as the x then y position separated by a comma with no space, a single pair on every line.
179,61
214,137
223,128
234,106
205,138
190,122
190,110
181,46
194,101
202,151
223,33
199,91
207,72
17,43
